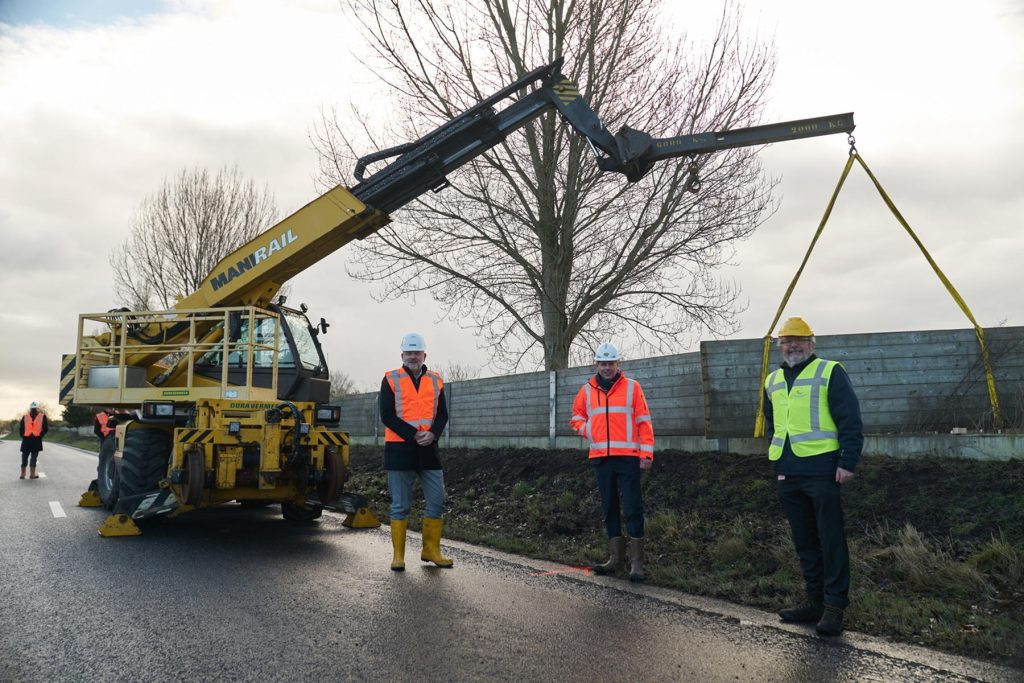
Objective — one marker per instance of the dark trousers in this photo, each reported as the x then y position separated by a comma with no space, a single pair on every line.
815,513
25,456
620,475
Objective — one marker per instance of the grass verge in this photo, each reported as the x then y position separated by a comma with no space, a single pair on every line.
937,545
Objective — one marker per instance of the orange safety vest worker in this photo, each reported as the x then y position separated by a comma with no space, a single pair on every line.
617,422
103,419
34,427
418,407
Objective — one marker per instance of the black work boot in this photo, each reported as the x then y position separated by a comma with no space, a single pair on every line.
831,623
809,611
616,557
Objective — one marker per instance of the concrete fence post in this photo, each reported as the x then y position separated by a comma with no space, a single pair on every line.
552,390
376,418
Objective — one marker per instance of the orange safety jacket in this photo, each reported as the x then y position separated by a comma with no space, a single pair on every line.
34,427
616,422
103,419
418,407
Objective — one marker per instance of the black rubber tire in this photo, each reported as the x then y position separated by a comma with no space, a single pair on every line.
195,478
107,476
295,513
332,485
144,460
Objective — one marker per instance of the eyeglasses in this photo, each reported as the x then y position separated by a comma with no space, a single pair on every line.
793,341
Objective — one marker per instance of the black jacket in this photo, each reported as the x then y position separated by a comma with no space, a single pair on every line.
845,409
408,455
32,444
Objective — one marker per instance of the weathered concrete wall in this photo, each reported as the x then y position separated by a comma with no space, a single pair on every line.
907,382
918,384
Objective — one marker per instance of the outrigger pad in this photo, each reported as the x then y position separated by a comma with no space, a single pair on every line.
91,498
363,518
359,515
118,525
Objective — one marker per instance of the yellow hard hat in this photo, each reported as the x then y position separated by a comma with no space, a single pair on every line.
795,327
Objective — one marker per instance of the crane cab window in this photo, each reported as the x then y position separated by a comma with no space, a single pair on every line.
262,357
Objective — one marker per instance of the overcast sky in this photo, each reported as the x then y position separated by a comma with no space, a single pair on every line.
100,101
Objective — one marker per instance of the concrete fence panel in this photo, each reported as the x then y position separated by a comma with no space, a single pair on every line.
907,382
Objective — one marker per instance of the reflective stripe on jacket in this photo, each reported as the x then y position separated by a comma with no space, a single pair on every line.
417,406
104,419
616,422
34,427
802,412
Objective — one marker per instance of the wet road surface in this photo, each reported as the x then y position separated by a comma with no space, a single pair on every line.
241,595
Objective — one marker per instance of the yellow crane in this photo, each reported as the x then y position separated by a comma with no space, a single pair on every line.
226,396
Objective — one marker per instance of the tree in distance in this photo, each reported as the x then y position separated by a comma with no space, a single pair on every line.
180,232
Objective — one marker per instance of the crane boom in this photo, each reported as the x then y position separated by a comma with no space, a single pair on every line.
341,215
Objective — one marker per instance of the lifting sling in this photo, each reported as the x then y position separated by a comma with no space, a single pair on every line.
997,418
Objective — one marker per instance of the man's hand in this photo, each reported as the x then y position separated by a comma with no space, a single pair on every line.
646,463
843,476
424,438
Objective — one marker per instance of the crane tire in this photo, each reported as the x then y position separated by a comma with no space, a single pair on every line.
144,460
331,486
107,474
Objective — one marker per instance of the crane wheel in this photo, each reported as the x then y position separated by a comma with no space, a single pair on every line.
108,474
144,460
330,487
195,477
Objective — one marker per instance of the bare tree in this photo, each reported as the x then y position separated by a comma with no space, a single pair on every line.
457,372
341,384
180,232
532,246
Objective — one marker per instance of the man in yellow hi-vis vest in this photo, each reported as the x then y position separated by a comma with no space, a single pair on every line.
816,434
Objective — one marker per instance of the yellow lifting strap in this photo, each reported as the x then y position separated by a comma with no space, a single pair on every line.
997,418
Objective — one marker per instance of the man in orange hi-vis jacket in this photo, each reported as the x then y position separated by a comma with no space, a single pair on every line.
611,412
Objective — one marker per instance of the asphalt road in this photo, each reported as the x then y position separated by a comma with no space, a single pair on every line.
241,595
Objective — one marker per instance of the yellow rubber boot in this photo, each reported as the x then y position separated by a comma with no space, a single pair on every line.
398,527
432,527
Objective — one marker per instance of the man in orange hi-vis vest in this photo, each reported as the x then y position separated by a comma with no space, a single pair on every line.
611,412
32,427
414,412
103,426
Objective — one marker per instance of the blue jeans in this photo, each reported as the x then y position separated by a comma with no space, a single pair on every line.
400,486
620,474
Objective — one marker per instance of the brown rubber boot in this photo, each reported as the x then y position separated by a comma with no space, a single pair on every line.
831,623
636,559
22,473
33,475
616,557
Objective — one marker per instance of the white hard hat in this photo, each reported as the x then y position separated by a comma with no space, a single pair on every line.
414,342
606,351
32,405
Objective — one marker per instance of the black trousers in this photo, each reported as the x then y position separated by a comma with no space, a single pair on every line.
25,458
815,512
620,474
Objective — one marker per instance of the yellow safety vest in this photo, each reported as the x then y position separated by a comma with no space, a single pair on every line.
802,412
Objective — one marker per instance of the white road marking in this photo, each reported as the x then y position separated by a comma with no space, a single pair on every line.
42,475
56,509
